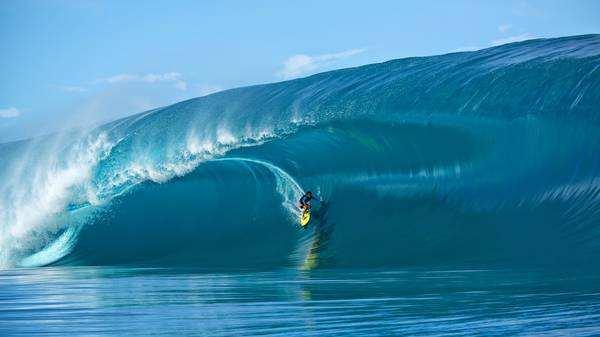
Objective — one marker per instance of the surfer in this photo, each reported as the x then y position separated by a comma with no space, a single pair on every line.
305,201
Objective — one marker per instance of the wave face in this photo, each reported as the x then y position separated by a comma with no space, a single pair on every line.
484,158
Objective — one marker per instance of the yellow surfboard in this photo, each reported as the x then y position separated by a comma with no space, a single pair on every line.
304,218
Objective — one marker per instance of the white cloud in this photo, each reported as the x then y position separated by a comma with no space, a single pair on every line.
119,78
301,64
510,39
504,28
9,113
172,77
69,88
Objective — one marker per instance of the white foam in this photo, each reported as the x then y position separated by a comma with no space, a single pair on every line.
31,200
225,137
59,248
286,185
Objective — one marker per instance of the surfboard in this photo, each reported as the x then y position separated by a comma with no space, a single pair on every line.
304,218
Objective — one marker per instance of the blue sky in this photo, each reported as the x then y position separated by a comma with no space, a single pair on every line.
66,63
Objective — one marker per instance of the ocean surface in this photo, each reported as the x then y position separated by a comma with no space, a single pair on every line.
97,301
457,194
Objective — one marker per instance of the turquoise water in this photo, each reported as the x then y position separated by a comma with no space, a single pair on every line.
132,301
457,194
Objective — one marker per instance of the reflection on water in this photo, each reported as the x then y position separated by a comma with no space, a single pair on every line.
103,301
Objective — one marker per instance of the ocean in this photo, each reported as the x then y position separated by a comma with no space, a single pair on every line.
456,194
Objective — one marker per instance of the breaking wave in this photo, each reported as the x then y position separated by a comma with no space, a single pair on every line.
475,158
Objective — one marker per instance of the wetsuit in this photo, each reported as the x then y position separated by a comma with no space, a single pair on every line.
305,200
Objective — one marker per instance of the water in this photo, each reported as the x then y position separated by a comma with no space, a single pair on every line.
456,194
132,301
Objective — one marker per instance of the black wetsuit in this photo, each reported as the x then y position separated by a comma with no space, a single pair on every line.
305,200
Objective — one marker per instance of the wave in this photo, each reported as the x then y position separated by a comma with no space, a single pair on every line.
476,158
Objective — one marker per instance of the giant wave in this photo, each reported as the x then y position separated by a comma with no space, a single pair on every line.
477,158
